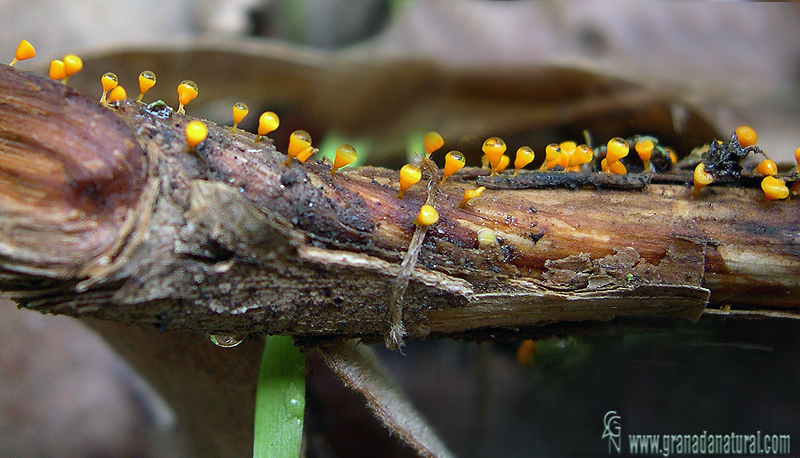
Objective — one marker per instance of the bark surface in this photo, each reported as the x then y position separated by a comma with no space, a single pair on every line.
107,214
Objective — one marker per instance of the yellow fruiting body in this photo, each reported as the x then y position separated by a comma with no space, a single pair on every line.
618,168
525,352
117,94
267,122
797,158
567,150
552,154
795,189
774,188
299,141
568,147
109,81
72,65
504,161
766,167
239,110
57,70
524,157
582,155
427,216
410,174
187,91
470,194
494,148
299,146
644,148
303,156
616,149
746,135
196,132
672,156
147,80
701,178
345,155
432,141
24,51
453,162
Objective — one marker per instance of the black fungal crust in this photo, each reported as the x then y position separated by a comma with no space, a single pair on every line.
724,159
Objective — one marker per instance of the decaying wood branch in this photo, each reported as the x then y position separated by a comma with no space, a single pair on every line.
107,214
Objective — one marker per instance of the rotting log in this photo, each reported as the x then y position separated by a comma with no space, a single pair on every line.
106,214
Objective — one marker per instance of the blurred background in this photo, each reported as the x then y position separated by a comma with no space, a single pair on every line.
378,74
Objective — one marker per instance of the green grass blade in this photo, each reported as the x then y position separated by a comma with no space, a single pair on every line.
280,400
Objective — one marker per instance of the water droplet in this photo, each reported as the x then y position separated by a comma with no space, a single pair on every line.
293,404
294,409
225,288
225,340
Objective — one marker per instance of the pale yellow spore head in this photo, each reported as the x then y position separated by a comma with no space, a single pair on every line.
487,239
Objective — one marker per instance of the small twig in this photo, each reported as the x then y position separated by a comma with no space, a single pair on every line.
571,180
394,338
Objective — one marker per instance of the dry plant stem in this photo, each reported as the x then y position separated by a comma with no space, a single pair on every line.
394,338
231,240
361,371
